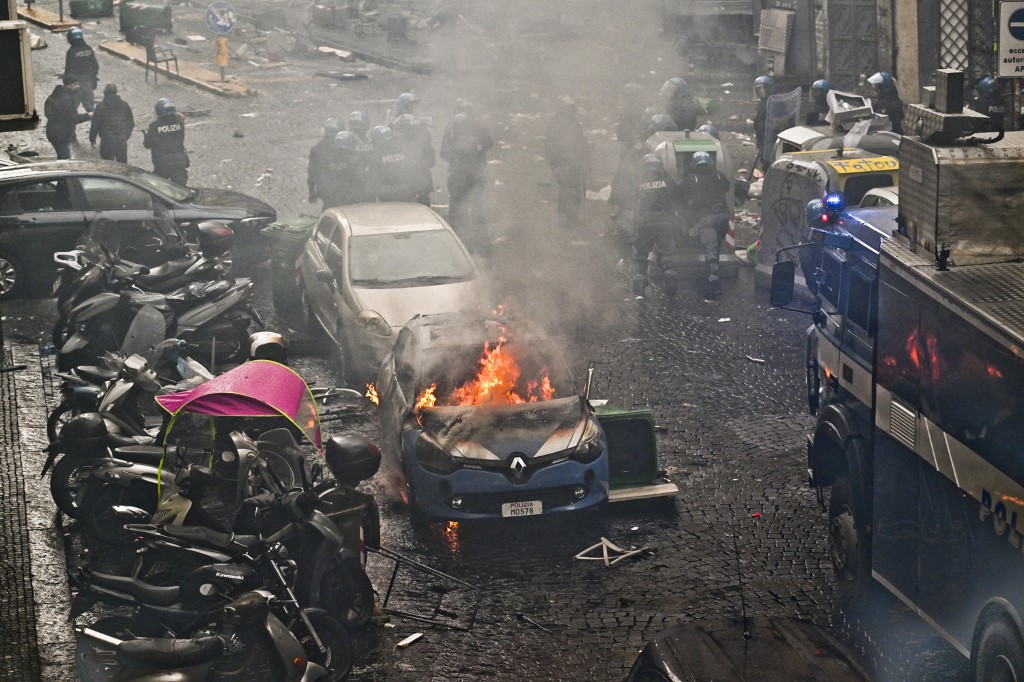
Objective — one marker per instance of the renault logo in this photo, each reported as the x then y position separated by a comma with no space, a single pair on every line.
518,466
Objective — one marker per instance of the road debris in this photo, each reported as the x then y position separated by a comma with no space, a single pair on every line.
725,319
759,361
343,75
405,643
611,553
523,617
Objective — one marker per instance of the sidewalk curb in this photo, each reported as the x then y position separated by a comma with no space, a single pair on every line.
46,19
201,78
389,62
46,536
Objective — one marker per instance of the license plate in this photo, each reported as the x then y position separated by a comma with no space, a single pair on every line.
529,508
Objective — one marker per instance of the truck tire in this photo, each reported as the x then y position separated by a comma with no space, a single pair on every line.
1000,653
850,548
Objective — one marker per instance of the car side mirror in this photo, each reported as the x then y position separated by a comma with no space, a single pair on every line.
783,277
325,276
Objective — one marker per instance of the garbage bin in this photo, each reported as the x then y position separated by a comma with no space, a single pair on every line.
81,9
154,15
286,239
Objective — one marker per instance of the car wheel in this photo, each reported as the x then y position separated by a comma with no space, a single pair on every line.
11,275
851,553
1000,652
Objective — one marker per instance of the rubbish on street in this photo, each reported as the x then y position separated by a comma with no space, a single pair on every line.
36,42
343,75
251,114
238,133
725,319
759,361
341,54
409,640
521,616
195,39
611,553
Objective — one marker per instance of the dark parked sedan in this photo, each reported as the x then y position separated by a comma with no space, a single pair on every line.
46,207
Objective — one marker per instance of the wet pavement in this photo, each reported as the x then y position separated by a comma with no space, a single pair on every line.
725,380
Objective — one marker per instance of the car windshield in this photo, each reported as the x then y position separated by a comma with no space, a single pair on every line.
407,259
171,190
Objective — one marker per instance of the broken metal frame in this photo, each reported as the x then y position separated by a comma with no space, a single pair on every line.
608,549
434,618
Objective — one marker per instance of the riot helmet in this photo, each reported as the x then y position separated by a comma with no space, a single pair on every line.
701,160
346,139
987,86
406,101
461,122
763,86
332,127
379,134
883,82
165,107
819,90
675,88
75,34
359,123
817,213
710,129
652,164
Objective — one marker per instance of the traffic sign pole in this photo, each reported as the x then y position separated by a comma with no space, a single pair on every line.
220,19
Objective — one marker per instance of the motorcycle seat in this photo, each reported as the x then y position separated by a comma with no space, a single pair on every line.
165,271
131,451
212,539
166,652
142,592
94,374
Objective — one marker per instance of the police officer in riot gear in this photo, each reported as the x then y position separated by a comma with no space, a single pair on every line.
887,99
392,166
364,158
464,146
566,152
413,140
316,173
819,102
988,99
165,138
113,123
682,106
655,224
80,61
763,86
344,174
704,196
710,129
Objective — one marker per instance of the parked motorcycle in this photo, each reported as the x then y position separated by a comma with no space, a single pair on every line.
249,638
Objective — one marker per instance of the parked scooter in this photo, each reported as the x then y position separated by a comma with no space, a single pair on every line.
248,639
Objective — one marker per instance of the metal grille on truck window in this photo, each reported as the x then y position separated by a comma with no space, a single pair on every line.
903,423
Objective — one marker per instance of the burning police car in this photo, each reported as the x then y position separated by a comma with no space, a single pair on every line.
484,420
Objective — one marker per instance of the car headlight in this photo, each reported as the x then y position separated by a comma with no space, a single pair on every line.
373,323
591,445
432,458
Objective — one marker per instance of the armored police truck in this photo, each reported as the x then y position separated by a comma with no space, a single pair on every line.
916,375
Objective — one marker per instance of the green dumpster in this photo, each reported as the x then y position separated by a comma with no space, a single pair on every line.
81,9
154,15
286,239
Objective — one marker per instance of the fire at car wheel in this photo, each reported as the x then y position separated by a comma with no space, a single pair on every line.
11,276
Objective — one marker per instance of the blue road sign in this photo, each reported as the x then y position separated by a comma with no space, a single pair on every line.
220,18
1016,24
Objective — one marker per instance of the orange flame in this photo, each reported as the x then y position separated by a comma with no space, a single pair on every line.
427,397
497,381
371,394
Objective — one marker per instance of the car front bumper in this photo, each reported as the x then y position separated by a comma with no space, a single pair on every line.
484,491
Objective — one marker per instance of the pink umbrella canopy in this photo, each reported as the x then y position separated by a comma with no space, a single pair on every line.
255,389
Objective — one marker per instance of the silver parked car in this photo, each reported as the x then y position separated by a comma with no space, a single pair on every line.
370,268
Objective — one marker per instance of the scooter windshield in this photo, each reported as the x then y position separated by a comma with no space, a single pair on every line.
145,331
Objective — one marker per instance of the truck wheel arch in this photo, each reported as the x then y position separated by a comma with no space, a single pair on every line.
838,446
